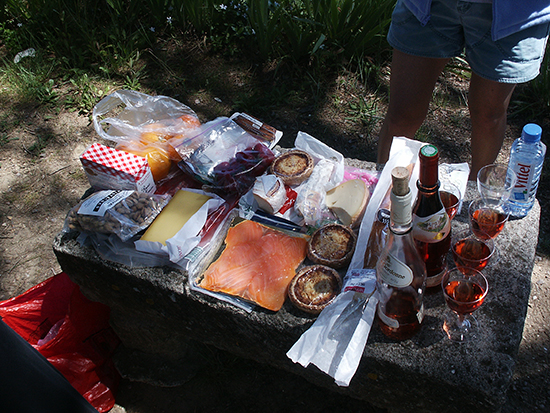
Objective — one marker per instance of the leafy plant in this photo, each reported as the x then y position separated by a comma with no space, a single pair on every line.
32,80
85,93
264,19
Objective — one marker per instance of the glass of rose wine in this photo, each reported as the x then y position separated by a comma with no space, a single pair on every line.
487,217
450,197
471,251
464,291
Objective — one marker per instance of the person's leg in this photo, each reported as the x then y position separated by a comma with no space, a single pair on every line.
488,104
411,86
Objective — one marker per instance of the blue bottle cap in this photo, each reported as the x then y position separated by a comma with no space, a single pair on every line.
531,133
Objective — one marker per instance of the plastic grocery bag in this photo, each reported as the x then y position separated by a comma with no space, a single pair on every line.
125,114
72,333
327,173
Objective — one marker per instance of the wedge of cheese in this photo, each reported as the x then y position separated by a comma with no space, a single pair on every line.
348,201
182,206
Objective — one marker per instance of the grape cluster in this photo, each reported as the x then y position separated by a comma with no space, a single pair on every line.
237,176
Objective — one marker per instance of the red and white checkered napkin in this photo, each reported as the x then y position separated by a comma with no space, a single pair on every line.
113,161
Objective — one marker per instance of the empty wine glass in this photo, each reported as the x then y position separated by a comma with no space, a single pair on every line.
487,217
496,181
450,196
470,251
464,291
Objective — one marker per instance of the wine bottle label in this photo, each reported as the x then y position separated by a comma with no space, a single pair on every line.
383,216
395,272
390,322
432,228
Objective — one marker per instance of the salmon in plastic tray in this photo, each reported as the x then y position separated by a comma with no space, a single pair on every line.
257,264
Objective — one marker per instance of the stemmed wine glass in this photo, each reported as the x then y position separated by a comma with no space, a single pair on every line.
471,251
496,182
450,197
487,217
464,290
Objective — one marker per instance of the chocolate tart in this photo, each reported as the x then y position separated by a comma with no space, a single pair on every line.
332,245
314,287
293,167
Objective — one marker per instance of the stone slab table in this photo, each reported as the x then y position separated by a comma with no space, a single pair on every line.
160,320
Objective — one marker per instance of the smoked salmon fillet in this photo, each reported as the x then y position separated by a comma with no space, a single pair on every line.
257,264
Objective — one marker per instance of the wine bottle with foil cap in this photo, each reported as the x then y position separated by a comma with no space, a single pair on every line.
400,271
431,224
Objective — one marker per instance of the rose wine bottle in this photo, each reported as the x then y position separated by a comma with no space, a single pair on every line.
400,271
431,224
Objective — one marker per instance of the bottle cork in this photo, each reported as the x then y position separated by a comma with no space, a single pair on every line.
400,180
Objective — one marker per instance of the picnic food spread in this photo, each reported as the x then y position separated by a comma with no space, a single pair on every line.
251,223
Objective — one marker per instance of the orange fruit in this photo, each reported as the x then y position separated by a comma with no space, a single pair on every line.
191,121
160,140
157,157
151,137
159,161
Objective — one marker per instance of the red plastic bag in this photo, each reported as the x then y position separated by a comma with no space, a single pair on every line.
72,333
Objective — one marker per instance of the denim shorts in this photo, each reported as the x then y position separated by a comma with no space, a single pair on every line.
456,27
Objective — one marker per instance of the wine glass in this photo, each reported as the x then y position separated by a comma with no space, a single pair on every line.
471,251
450,197
464,291
487,217
496,181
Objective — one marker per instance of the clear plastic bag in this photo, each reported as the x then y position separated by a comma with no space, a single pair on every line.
146,126
335,342
327,173
225,157
125,114
123,213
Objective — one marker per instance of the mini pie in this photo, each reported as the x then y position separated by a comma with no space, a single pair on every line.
293,167
314,287
332,245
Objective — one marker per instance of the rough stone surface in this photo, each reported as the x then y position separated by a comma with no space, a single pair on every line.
159,319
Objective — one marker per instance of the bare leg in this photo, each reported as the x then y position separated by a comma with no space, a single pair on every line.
488,104
411,86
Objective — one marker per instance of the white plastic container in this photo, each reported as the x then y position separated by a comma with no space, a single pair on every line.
526,159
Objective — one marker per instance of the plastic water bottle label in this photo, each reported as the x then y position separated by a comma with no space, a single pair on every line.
524,174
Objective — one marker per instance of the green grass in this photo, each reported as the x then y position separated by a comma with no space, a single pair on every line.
84,45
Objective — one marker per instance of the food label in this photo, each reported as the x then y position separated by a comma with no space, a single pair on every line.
395,272
360,280
100,202
432,228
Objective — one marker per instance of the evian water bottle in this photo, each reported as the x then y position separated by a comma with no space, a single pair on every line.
526,158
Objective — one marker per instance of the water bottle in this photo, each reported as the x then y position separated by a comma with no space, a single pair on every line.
526,158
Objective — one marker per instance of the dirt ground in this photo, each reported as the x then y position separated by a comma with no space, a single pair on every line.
37,189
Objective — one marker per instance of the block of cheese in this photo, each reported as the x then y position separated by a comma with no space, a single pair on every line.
270,193
348,201
182,206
